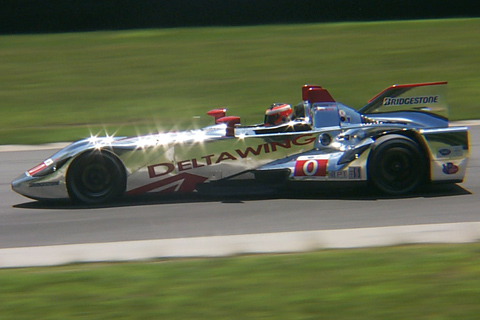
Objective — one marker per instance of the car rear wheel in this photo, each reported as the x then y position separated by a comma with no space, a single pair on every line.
95,177
397,165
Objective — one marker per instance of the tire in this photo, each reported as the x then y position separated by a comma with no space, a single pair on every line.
96,177
397,165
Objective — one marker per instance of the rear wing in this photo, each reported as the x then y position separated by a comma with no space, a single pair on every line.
428,97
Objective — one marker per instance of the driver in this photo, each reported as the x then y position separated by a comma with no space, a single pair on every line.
278,113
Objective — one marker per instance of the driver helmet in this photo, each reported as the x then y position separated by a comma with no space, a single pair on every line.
278,113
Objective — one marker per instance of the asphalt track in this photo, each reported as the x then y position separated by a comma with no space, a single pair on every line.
190,225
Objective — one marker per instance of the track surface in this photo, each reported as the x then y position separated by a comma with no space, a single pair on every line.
25,223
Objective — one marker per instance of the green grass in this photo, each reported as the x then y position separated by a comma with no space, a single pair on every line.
61,87
409,282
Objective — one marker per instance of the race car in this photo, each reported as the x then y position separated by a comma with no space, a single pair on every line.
399,141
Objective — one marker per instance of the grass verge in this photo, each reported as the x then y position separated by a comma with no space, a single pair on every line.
406,282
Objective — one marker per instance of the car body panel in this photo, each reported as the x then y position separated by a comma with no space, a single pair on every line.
324,140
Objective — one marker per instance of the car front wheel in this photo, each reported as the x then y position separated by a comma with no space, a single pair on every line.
95,177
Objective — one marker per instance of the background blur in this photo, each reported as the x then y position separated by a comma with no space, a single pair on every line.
33,16
69,68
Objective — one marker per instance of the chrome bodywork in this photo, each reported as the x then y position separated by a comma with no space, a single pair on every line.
326,141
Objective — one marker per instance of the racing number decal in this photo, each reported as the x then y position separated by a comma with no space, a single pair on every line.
311,168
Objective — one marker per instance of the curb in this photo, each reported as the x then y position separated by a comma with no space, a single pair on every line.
223,246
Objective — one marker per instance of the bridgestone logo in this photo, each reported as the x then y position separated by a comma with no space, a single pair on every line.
410,100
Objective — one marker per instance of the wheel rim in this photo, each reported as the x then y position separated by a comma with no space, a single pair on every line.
96,180
398,169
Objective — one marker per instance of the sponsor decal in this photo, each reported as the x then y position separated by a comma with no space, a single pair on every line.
450,168
310,168
184,182
353,173
44,184
175,178
162,169
453,151
327,108
40,167
37,169
388,101
444,151
343,116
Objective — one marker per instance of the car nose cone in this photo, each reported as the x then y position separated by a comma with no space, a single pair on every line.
21,184
40,188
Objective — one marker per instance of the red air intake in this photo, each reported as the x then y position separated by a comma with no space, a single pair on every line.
316,94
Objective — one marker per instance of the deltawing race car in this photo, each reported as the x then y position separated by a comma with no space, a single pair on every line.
398,141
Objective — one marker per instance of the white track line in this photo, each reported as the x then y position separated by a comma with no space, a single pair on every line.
49,146
284,242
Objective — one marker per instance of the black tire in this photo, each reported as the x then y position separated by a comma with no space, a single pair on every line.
397,165
96,177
